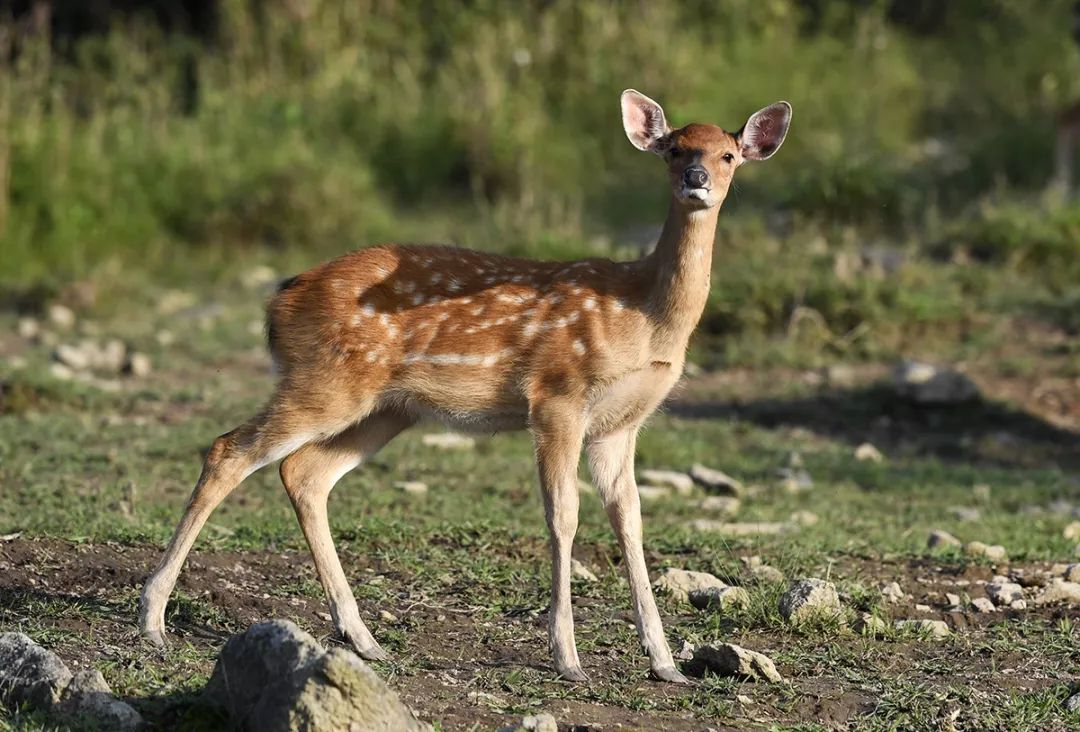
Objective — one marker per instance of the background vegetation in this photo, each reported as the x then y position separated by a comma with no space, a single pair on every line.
149,142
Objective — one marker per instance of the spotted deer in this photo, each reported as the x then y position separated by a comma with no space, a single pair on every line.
579,353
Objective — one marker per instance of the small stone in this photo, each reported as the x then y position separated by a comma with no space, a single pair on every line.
61,372
753,528
839,376
449,441
952,598
28,328
804,518
868,453
743,699
983,605
72,356
387,617
892,592
138,365
412,487
965,513
582,572
718,598
685,652
1018,605
1071,573
939,538
653,492
1072,704
61,316
1072,531
1059,590
681,483
765,574
165,337
926,384
715,481
808,598
933,628
1002,592
728,505
535,723
993,552
871,625
488,700
922,608
728,659
680,582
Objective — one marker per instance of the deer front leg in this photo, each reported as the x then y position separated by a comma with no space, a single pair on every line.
611,461
558,431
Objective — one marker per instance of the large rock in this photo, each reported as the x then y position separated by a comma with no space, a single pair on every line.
276,677
716,481
1059,590
809,598
29,674
1003,592
728,659
679,583
88,697
926,384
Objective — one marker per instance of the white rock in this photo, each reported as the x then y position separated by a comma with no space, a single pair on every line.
60,371
1002,592
653,492
165,337
983,605
387,617
138,365
728,505
723,598
715,481
28,328
61,316
892,592
868,453
412,487
449,441
534,723
926,384
804,518
952,598
993,552
680,482
871,625
728,659
582,572
1071,573
1072,704
1072,531
807,598
939,538
1059,590
965,513
72,356
922,608
679,582
933,628
685,652
1018,605
753,528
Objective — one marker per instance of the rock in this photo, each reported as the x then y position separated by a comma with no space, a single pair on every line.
716,481
1002,592
72,356
868,453
871,625
165,337
892,592
88,697
1059,590
449,441
535,723
754,528
61,372
919,607
387,617
1072,531
952,599
685,652
1072,704
983,605
809,598
653,492
728,659
110,357
28,328
933,628
1018,605
728,505
993,552
926,384
939,538
29,674
61,316
680,582
804,518
743,699
719,598
681,483
839,376
965,513
138,365
276,677
580,571
412,487
1071,573
762,573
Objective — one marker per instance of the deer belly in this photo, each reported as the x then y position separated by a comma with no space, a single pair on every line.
631,398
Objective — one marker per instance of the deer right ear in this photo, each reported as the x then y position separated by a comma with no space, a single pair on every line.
644,121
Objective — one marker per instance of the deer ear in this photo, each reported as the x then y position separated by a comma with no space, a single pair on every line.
764,132
644,121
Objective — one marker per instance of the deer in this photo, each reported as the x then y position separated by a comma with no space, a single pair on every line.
578,353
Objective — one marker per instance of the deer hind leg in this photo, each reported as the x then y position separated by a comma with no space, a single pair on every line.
233,456
611,462
309,474
558,432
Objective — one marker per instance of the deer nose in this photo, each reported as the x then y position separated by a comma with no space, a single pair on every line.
696,177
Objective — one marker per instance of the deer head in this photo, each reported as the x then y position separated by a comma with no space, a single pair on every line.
702,158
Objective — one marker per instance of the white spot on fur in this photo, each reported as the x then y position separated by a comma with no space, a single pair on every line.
436,278
418,299
368,310
590,303
371,356
579,347
477,310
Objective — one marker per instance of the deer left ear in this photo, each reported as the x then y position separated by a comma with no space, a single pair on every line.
764,132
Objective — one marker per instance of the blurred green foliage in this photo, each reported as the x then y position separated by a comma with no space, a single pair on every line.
320,126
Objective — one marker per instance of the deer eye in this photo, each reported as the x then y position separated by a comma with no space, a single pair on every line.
729,158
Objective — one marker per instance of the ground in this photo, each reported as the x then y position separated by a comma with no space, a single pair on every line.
94,477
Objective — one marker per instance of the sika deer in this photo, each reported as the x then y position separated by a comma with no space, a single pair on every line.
579,353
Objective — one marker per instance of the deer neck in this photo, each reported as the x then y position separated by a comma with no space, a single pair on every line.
680,269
